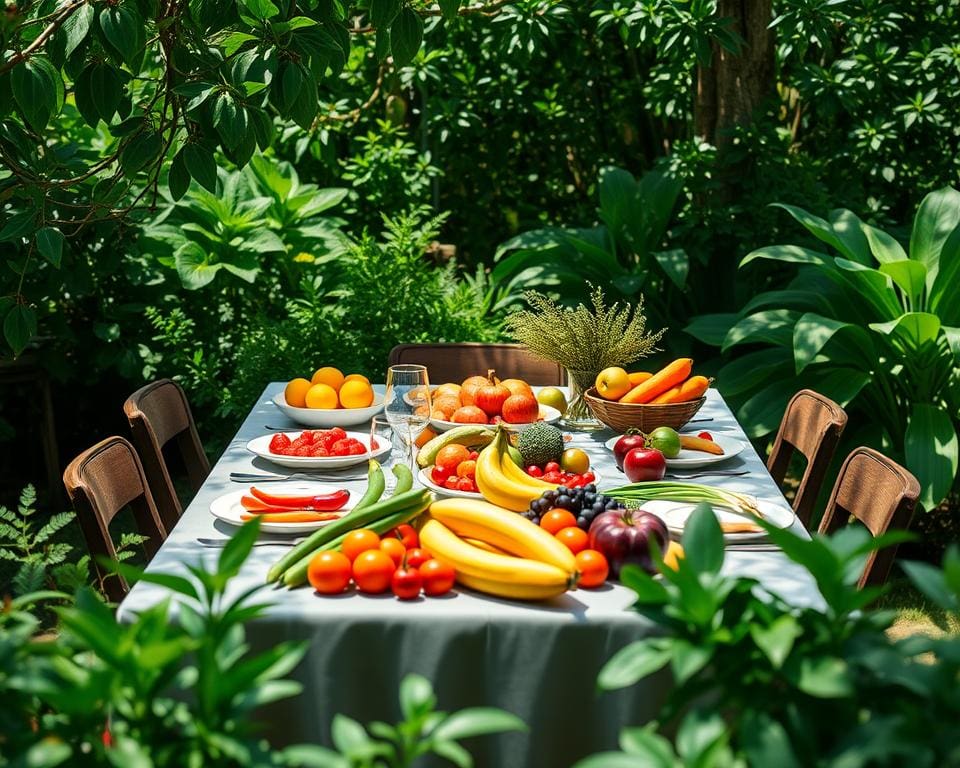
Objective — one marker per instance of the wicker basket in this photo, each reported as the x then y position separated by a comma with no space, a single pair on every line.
645,417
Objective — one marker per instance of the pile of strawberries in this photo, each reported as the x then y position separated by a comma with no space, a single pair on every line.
317,443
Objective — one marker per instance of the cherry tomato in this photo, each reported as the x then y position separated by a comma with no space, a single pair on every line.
474,455
406,583
439,475
573,538
329,573
593,568
552,477
534,471
588,477
407,534
417,557
394,548
705,436
373,570
556,520
437,577
451,482
551,466
466,484
359,541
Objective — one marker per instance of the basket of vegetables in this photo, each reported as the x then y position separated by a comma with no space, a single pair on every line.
668,398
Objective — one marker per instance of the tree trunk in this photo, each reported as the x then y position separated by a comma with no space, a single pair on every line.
734,85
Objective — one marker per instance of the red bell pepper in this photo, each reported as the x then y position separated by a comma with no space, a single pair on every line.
325,502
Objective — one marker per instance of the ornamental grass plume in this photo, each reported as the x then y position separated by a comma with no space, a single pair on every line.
584,338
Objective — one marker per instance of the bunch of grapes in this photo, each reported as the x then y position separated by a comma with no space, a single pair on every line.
585,503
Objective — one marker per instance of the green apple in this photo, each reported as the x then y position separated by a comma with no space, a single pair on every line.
554,398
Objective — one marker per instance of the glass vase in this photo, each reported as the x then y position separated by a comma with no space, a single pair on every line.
578,415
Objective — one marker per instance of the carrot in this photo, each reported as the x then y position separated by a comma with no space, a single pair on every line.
740,528
294,516
690,389
660,382
692,443
638,377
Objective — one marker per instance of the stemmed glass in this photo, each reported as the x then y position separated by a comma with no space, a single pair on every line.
407,404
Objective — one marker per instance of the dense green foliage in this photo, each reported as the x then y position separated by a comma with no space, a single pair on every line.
760,682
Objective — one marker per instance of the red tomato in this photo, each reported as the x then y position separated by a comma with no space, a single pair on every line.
551,466
407,535
552,477
705,436
573,538
373,570
439,475
588,477
451,482
329,573
593,568
417,557
465,484
406,583
437,577
474,455
534,471
394,548
556,520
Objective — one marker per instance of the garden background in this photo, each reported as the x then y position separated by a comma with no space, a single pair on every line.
231,193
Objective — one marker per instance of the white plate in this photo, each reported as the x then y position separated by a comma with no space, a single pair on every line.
229,509
261,447
693,459
547,414
425,479
327,418
675,515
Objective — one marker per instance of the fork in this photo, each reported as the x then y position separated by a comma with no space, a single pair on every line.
249,477
205,542
718,473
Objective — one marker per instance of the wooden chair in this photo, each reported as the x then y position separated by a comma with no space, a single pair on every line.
455,362
880,494
159,413
812,425
101,482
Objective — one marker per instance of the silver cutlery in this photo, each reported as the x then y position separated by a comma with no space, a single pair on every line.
248,477
292,428
718,473
759,547
205,542
700,420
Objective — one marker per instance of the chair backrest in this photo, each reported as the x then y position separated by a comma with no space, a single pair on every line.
100,482
880,494
455,362
812,425
159,413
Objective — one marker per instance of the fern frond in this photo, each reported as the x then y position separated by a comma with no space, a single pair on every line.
53,525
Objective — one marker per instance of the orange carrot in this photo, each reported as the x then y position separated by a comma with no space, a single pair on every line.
302,516
638,377
692,443
660,382
691,389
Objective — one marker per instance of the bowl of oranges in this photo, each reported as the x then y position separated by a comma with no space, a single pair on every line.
329,399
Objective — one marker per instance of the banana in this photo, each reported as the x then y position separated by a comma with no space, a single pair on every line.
512,576
485,545
471,435
502,482
509,590
503,529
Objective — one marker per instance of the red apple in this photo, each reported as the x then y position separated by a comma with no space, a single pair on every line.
623,536
520,409
625,444
642,464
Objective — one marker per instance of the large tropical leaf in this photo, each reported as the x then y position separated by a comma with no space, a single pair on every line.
792,254
849,232
753,369
816,226
874,286
910,277
937,217
932,452
883,246
912,329
813,334
712,329
773,326
944,296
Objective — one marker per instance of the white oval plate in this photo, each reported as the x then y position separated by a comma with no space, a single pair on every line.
327,418
261,447
547,414
693,459
229,509
675,515
426,480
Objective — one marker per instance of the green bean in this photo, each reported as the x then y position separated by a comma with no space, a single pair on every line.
404,478
375,486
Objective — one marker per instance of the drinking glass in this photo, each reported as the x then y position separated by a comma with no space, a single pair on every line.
406,404
381,433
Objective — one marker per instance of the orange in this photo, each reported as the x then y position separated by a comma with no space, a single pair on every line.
467,468
359,541
593,568
321,396
450,456
448,390
356,394
329,573
329,376
573,538
295,393
394,548
556,520
355,377
446,405
373,571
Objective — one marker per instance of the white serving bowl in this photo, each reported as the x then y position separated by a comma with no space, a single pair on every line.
328,418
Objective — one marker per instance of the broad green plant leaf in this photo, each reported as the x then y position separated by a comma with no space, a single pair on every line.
848,229
477,721
773,326
676,265
816,226
937,217
825,677
631,664
812,333
712,329
17,226
124,29
884,247
383,12
19,326
348,735
776,640
910,276
449,8
98,92
406,34
141,151
193,266
202,166
766,741
238,548
38,91
932,452
77,27
944,296
792,254
912,329
932,582
50,244
416,696
872,285
178,178
753,369
703,540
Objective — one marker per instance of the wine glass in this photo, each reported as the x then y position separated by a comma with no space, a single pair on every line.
407,403
381,433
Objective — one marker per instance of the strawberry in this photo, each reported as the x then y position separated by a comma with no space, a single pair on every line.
279,443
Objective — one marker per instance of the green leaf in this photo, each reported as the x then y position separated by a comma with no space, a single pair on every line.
913,329
312,756
813,333
792,254
676,265
202,166
142,150
416,696
884,247
944,298
124,29
453,752
230,120
766,742
46,754
347,734
688,659
477,721
19,326
304,109
406,34
703,540
50,244
932,452
618,760
937,217
179,177
261,9
238,548
290,84
18,226
193,266
699,735
635,662
825,677
383,12
776,640
36,84
909,276
77,27
816,226
449,8
753,369
646,742
932,582
872,285
235,41
174,583
106,90
851,241
773,326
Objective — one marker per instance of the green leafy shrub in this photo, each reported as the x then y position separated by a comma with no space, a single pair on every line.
759,682
876,327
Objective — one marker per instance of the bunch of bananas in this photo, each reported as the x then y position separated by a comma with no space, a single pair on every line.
502,482
496,551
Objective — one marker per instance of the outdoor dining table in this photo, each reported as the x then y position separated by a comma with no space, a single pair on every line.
537,660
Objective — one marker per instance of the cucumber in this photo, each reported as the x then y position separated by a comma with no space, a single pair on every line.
376,483
404,478
356,518
296,575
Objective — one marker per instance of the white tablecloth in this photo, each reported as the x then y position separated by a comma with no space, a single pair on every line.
539,661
